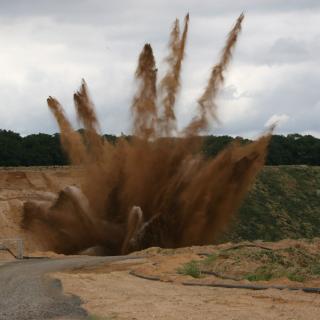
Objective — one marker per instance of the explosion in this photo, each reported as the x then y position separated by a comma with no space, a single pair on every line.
155,189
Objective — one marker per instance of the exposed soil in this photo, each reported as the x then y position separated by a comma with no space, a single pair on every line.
111,291
118,295
18,185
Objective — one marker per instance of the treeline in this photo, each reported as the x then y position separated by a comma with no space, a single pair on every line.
45,150
293,149
32,150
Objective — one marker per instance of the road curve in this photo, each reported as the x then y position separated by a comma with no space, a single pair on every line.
26,292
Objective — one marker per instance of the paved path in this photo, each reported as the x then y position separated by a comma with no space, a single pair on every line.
27,293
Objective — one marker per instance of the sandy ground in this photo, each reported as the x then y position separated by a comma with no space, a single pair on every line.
115,294
18,185
111,292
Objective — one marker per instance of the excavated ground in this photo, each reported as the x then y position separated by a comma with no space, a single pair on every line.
18,185
111,291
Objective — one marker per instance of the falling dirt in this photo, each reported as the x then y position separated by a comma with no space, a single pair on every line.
155,189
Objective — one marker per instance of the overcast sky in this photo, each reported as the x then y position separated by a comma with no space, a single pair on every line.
47,47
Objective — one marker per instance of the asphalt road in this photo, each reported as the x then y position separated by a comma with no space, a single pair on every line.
28,293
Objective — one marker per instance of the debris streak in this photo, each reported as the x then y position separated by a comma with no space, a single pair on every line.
170,84
206,103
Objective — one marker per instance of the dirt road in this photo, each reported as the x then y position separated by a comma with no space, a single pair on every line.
27,292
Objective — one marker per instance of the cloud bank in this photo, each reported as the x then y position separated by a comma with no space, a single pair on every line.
47,47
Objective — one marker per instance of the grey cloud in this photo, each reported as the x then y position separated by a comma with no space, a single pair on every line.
97,10
48,46
297,96
288,50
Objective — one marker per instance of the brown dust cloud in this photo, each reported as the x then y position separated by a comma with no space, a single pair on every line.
156,188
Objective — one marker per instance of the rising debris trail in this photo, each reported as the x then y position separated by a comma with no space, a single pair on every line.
170,84
154,189
71,140
206,103
144,108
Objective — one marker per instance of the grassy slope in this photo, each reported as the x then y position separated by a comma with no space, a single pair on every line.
283,203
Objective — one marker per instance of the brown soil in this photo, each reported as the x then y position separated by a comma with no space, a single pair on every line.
111,291
118,295
18,185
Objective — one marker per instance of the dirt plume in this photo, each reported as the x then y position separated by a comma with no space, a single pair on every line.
144,108
71,140
151,190
170,84
86,115
206,103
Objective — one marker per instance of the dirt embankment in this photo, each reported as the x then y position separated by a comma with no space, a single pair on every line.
18,185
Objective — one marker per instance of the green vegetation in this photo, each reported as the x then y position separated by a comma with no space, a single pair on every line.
36,149
191,269
256,263
292,263
283,203
293,149
33,150
44,149
260,275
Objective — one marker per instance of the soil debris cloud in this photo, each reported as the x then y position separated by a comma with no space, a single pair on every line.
206,103
170,84
144,103
154,189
